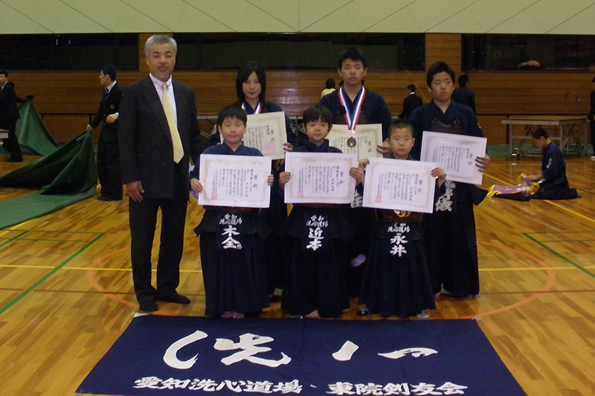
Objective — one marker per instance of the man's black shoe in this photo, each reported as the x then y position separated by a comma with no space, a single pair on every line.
148,306
174,298
107,198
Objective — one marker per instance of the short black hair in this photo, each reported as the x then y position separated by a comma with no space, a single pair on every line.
353,54
463,80
110,70
439,67
231,112
330,83
400,125
316,113
4,72
411,87
539,133
243,74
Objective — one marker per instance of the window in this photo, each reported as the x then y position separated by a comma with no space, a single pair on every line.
68,51
524,51
296,51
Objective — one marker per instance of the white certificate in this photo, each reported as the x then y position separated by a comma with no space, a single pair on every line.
234,180
366,138
319,178
267,133
455,154
399,185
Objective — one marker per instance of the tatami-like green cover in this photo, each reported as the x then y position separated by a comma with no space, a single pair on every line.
66,176
32,133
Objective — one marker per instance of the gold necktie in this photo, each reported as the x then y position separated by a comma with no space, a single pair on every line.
173,129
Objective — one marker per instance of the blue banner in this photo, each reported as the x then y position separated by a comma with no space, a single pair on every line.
160,355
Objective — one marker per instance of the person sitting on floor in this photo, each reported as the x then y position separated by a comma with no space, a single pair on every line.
553,183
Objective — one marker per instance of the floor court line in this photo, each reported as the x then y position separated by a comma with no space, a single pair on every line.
46,277
534,295
561,256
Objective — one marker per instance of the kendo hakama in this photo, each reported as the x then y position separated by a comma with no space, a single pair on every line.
451,241
233,260
316,237
450,238
397,281
554,184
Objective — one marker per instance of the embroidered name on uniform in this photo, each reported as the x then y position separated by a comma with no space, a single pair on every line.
316,227
231,220
400,239
444,202
358,200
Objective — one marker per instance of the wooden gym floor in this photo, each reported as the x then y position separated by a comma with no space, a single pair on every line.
66,291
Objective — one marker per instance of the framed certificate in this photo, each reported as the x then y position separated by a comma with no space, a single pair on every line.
363,142
266,132
455,154
319,178
399,185
230,180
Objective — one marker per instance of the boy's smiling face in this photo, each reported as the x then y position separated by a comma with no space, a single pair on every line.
317,130
442,87
232,129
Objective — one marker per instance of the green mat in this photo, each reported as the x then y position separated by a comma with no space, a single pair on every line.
32,133
66,176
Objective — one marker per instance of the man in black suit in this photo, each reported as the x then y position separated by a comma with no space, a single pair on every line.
411,102
591,117
464,95
158,134
9,115
108,151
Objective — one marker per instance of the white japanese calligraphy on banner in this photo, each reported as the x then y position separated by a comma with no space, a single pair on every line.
267,133
320,178
455,154
239,181
363,142
250,345
399,185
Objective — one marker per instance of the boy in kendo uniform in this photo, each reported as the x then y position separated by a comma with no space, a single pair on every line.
353,104
450,235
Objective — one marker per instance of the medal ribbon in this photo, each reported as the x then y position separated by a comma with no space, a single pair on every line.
256,110
351,119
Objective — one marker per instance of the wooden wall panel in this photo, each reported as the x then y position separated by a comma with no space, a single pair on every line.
531,92
65,127
493,129
444,47
68,98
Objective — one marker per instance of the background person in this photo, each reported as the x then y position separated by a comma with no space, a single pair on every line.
9,115
108,151
553,183
464,95
329,87
410,103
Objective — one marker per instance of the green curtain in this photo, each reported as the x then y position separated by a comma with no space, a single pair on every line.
66,176
32,133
